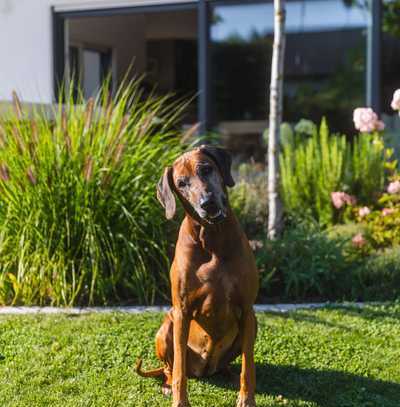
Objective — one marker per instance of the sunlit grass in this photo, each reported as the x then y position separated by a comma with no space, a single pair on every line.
326,358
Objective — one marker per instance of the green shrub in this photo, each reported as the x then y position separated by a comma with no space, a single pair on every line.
378,277
314,167
308,263
249,198
79,221
305,127
305,263
310,170
382,222
367,167
345,231
286,134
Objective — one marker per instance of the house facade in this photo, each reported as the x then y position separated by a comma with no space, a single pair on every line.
216,51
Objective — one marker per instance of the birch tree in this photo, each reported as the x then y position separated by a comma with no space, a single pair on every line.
275,119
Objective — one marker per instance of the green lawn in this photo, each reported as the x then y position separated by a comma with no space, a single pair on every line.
331,357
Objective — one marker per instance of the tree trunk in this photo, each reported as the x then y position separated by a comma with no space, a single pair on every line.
275,119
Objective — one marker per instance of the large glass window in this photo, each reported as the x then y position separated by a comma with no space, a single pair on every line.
324,65
161,46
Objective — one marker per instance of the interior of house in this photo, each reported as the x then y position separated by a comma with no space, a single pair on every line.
162,46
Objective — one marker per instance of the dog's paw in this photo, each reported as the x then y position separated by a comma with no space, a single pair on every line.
246,401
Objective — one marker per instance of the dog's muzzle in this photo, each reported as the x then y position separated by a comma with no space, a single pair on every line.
210,211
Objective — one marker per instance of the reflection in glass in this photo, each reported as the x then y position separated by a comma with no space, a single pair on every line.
324,65
390,53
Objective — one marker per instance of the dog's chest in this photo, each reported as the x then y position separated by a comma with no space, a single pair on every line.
218,296
217,318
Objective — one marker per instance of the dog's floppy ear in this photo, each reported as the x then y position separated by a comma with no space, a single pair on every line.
165,194
222,158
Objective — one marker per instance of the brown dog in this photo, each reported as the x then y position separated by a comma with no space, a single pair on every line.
214,279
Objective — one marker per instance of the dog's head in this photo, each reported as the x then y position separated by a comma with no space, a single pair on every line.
199,178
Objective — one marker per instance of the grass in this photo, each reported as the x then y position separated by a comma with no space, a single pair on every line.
331,357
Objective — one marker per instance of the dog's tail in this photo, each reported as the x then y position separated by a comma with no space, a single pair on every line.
149,373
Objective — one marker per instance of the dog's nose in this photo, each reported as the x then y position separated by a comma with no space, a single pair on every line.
207,201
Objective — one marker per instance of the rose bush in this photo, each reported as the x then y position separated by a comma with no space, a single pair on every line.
381,217
383,222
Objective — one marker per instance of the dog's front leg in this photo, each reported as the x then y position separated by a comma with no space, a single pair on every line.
179,379
248,373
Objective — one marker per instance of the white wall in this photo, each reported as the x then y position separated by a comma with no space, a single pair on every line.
26,54
26,50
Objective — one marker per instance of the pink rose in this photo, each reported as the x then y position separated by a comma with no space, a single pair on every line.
395,105
394,187
366,120
337,199
340,198
364,211
358,240
387,211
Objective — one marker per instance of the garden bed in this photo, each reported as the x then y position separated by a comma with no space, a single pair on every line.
80,223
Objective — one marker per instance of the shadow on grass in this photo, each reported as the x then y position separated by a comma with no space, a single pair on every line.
327,388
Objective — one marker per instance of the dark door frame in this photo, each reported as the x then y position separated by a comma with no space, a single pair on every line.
374,46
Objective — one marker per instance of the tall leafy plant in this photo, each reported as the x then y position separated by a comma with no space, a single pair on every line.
79,221
367,167
311,169
314,167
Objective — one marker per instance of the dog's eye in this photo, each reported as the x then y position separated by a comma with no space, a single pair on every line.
181,184
205,170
